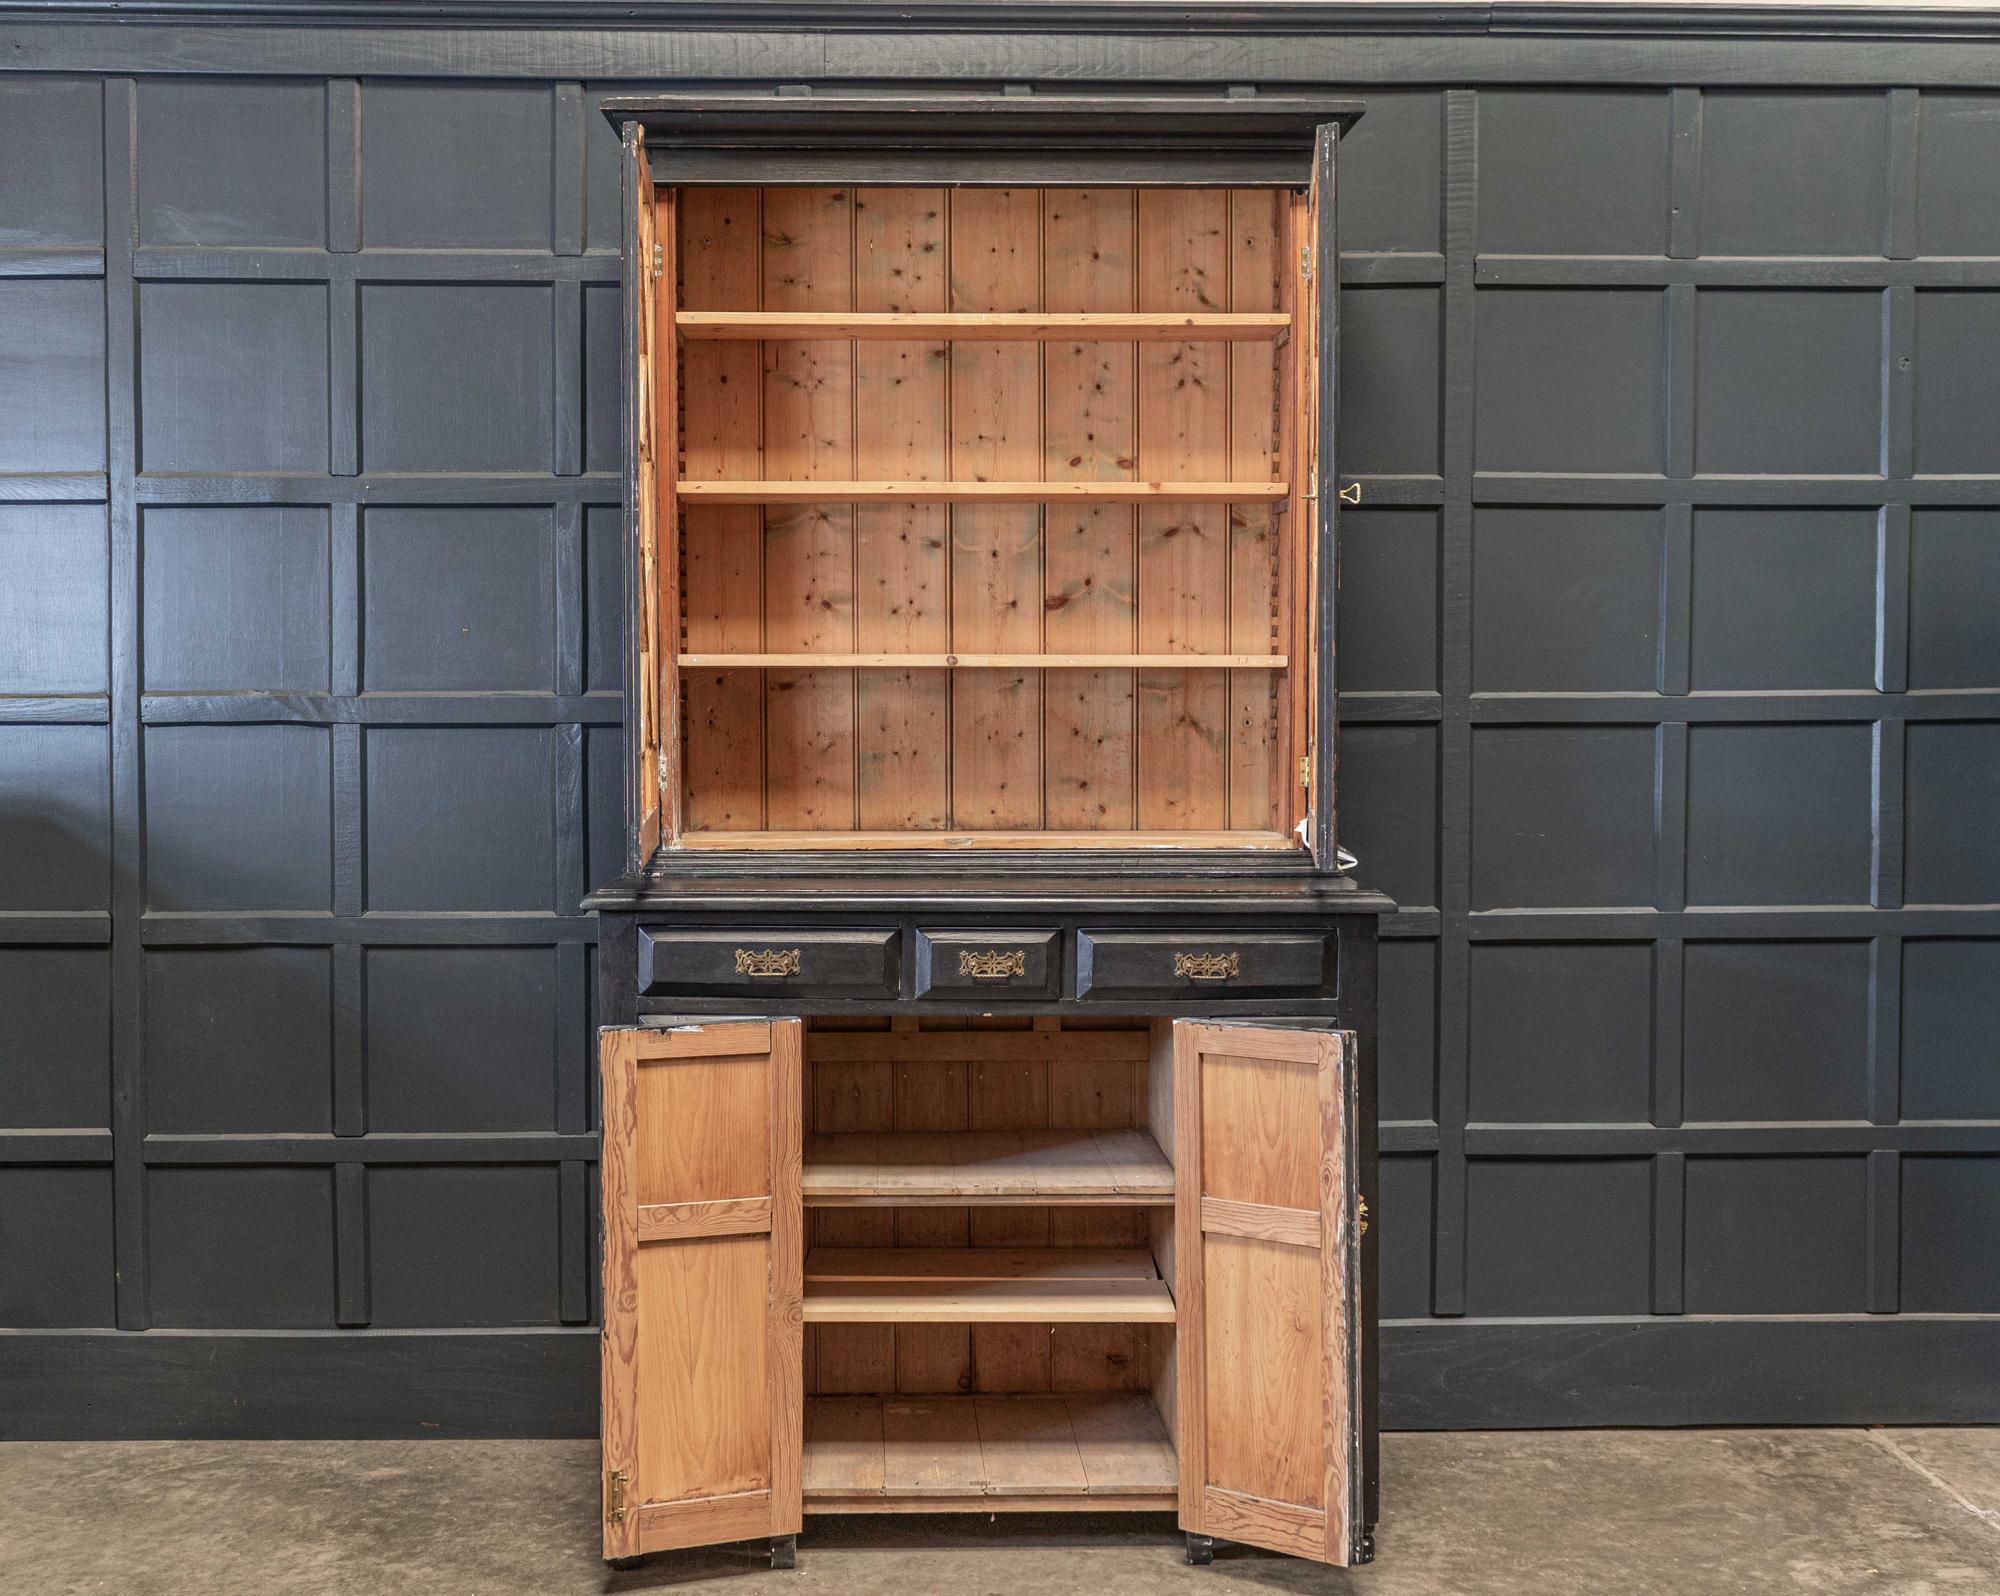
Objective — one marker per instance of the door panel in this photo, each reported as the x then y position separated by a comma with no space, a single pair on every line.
703,1284
1265,1279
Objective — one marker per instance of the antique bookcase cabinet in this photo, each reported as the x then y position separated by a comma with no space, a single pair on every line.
987,1049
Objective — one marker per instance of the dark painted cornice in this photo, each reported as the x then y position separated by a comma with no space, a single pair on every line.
1572,18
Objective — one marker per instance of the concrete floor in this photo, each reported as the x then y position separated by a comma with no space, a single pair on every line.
1623,1513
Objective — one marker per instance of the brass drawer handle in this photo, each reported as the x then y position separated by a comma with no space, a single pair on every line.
1207,966
994,965
771,961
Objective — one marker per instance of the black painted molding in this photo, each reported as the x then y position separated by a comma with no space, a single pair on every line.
1556,1374
1593,18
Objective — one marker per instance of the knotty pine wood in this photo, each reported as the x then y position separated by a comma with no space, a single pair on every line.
1001,574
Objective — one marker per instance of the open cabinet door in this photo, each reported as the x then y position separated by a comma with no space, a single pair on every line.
1266,1267
646,649
703,1403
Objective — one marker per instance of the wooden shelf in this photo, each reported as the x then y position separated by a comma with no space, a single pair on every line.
974,662
891,492
960,1168
977,1285
986,1453
974,841
983,326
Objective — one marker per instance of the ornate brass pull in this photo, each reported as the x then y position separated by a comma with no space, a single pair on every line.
994,965
1207,966
614,1495
1360,1215
1351,494
770,961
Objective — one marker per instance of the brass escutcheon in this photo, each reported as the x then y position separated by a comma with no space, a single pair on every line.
994,965
1207,966
770,961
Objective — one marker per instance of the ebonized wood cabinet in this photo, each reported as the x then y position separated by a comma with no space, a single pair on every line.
988,1026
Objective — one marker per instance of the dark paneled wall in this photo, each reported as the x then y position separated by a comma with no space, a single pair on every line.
1672,720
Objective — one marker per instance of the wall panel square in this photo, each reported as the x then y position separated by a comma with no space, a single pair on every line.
456,165
1951,1213
225,162
462,1244
1820,633
1572,173
233,376
461,1039
1391,173
1776,1235
1562,816
456,376
1558,1236
1793,174
1390,411
51,374
55,1235
1564,600
51,162
1775,1030
1388,807
240,1247
1951,1028
1569,379
458,599
1408,1205
1389,601
604,802
1958,174
603,399
603,598
55,1038
239,1040
54,598
55,817
1951,848
1954,575
1407,1050
239,817
1958,381
460,818
1788,381
1562,1032
1780,814
236,599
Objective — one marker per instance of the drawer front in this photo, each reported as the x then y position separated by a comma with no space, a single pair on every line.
770,961
982,964
1192,964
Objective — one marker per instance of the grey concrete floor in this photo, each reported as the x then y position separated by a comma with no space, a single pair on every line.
1628,1512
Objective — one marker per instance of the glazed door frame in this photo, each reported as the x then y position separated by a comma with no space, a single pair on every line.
704,1265
1268,1376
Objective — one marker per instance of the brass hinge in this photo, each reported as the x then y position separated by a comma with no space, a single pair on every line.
1361,1215
659,261
1305,770
663,769
614,1496
1306,262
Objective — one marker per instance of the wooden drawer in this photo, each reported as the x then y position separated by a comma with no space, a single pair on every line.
983,964
1130,965
814,963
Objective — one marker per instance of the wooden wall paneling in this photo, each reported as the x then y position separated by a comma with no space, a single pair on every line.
1097,1094
931,1095
1011,1093
996,550
808,264
1183,402
851,1094
1253,527
1089,431
900,591
722,545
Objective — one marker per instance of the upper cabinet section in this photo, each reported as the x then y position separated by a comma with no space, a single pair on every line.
974,516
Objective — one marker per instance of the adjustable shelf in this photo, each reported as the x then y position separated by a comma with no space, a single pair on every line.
946,662
890,1285
1121,491
960,1168
810,841
1014,1453
983,326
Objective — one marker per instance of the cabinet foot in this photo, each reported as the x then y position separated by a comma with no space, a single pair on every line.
1200,1549
784,1551
1365,1552
624,1565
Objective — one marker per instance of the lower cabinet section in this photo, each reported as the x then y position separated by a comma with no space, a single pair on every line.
1005,1265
